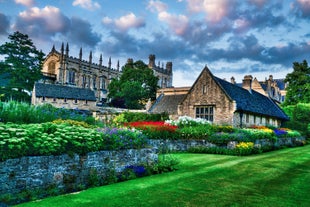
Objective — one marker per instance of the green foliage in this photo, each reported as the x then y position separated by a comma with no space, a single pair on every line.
23,63
299,118
23,113
126,117
17,140
136,85
298,89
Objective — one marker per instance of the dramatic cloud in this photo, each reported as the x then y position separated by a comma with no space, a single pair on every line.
302,8
87,4
27,3
4,24
36,21
81,33
124,23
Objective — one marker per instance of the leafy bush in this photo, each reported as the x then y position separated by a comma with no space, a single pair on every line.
55,139
244,148
23,113
126,117
299,118
117,138
72,123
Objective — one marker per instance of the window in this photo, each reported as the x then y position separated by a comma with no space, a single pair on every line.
102,83
65,100
54,99
51,67
43,98
71,77
75,101
204,89
205,112
247,118
94,82
84,81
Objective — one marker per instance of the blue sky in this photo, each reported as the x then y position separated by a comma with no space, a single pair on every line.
231,37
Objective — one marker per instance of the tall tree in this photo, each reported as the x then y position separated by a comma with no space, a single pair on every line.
298,89
22,64
136,85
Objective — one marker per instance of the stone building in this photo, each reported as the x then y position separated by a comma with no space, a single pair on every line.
273,88
60,69
221,102
62,96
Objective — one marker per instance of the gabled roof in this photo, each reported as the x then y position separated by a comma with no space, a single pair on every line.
60,91
252,102
167,103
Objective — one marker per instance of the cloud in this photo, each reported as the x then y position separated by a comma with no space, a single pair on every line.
81,33
301,8
177,23
48,20
4,24
27,3
124,23
157,6
215,10
87,4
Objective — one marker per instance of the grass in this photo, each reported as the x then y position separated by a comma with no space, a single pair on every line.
278,178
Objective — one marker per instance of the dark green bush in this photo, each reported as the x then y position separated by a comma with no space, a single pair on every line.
137,116
299,118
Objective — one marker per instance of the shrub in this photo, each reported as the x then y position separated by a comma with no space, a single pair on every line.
244,148
17,140
117,138
23,113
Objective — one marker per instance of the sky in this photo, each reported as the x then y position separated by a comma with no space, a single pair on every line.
232,37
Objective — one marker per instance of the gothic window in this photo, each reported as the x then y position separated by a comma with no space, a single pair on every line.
102,83
71,77
205,112
94,82
52,67
84,81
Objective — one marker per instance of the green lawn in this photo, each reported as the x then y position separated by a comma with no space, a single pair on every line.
279,178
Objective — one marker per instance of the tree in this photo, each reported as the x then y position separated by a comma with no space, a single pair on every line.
22,64
136,85
298,89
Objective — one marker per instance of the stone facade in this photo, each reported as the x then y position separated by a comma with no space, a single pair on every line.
64,171
60,68
220,102
206,92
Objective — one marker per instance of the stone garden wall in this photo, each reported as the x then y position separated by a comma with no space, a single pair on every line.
64,171
184,145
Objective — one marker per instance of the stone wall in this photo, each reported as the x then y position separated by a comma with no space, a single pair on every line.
63,171
184,145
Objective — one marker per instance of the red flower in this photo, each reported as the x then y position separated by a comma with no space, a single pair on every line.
152,125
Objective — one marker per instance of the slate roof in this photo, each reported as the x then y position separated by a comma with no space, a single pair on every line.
60,91
253,102
167,103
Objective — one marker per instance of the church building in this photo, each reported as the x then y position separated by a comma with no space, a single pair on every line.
61,69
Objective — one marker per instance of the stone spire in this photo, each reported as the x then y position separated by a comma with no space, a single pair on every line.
100,60
81,53
117,66
109,64
62,49
90,57
67,50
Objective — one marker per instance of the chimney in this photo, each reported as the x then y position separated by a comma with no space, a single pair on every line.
169,67
151,61
232,80
247,83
